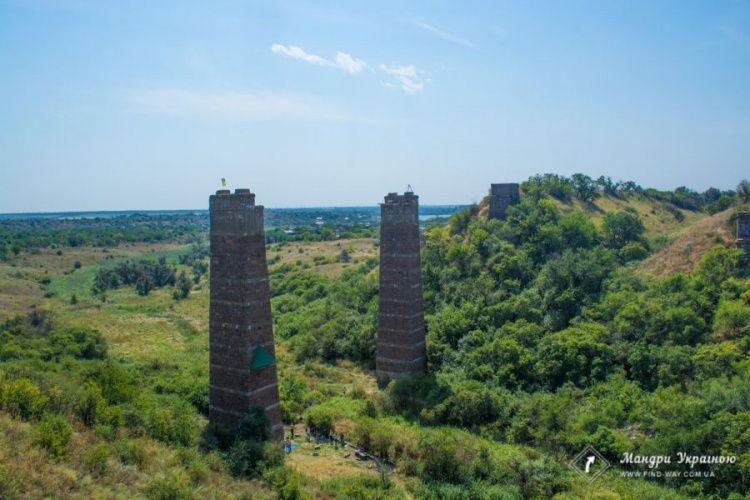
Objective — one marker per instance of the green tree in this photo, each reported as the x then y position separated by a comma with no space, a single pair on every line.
571,282
89,402
183,285
585,188
743,191
292,395
632,251
678,324
606,185
714,269
719,205
320,417
343,256
577,354
620,228
442,454
578,230
732,320
144,285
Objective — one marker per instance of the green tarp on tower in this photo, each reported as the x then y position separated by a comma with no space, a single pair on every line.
261,359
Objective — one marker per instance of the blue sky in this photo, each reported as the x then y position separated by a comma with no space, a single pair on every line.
147,105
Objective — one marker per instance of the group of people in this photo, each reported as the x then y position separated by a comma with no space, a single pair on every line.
312,433
335,439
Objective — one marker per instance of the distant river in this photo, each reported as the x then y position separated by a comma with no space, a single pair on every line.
426,212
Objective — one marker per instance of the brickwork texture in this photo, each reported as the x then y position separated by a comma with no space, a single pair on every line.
240,312
501,197
401,330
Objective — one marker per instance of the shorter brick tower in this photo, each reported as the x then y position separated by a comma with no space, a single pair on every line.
501,197
401,331
242,352
743,234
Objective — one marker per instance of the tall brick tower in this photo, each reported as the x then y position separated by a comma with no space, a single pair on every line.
242,352
743,234
401,332
501,197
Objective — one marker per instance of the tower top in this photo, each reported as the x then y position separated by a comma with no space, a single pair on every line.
224,199
503,187
227,192
408,198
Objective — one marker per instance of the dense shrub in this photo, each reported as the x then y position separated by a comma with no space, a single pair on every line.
145,274
169,487
53,433
470,404
172,423
321,418
23,399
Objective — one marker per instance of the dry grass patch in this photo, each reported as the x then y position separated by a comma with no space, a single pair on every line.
26,471
656,218
684,253
328,463
130,333
320,256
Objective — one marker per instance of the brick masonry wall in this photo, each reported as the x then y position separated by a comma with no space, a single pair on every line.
501,197
240,312
401,331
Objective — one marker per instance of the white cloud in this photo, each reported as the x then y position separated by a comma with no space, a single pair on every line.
407,77
349,64
406,71
443,34
234,106
297,53
343,61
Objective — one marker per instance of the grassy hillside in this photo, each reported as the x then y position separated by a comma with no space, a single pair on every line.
658,216
543,336
683,253
165,341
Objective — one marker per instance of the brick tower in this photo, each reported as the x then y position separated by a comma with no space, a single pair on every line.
242,352
401,332
501,197
743,234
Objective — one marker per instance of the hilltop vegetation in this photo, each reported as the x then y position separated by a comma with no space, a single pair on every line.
546,333
542,334
663,213
30,235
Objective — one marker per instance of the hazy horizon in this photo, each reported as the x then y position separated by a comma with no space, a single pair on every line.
106,106
205,210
